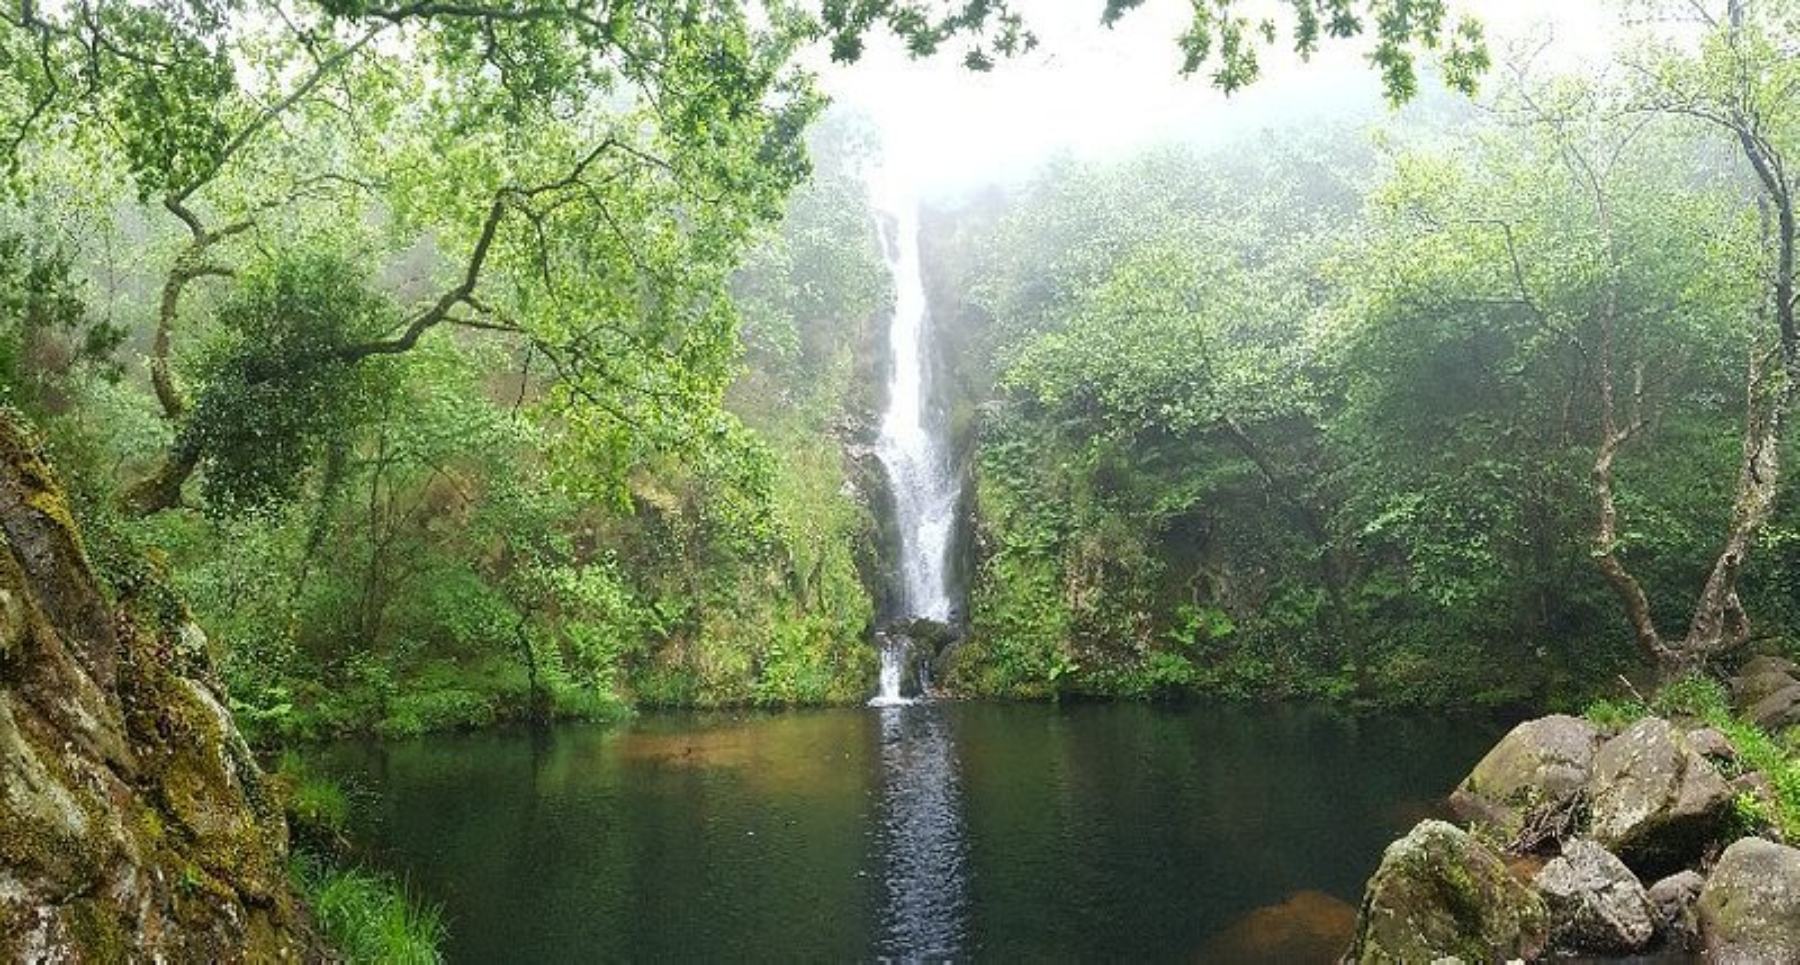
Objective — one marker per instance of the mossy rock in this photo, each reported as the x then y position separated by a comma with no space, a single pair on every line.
1654,800
1540,764
133,823
1749,910
1440,893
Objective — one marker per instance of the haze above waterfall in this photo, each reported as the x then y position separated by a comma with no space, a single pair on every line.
1105,93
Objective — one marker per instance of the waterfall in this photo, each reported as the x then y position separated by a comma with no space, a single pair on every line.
912,445
925,884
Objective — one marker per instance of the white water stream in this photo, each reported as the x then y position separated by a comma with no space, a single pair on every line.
912,446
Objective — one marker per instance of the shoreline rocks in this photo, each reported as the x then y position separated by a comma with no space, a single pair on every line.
1654,800
1596,904
1442,893
1540,765
1653,803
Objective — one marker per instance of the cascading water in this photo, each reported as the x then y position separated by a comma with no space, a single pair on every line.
912,445
922,844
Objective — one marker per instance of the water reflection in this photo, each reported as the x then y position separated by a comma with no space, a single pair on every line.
979,832
921,846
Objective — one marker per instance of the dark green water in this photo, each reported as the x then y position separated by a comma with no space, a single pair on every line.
1000,832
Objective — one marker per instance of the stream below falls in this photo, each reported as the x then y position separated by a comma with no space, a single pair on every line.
938,830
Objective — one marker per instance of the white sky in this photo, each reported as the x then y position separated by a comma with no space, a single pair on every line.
1101,93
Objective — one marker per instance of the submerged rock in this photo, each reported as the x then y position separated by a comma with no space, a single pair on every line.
133,823
1540,765
1749,910
1596,904
1654,800
1677,919
1441,893
1310,926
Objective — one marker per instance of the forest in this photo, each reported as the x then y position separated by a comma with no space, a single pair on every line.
381,382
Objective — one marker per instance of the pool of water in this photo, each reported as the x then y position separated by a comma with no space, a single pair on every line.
954,830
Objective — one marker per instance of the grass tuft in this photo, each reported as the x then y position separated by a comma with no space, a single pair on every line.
368,916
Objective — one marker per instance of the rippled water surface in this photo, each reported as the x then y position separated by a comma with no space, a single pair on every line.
995,832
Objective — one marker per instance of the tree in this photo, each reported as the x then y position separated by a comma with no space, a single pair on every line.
1741,83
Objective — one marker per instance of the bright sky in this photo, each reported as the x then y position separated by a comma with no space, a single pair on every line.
1102,92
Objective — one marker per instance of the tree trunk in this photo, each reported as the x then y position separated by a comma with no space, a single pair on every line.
162,489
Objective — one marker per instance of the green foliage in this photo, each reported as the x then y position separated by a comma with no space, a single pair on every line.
278,396
48,339
313,800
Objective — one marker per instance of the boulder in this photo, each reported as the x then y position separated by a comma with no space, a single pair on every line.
1778,710
1769,664
1540,764
1653,800
1749,910
1675,901
1596,904
1747,689
1441,893
1712,744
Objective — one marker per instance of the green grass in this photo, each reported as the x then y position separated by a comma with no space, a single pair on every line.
368,916
314,801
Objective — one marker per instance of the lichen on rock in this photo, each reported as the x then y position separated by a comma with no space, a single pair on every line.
1749,910
133,821
1440,892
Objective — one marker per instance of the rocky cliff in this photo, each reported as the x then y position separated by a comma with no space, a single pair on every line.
133,822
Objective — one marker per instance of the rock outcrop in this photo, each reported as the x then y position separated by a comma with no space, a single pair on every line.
1749,909
133,821
1440,893
1654,800
1596,905
1541,765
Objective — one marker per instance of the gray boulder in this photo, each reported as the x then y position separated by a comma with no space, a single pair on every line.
1653,800
1712,744
1778,710
1750,908
1675,900
1441,893
1748,688
1596,904
1540,764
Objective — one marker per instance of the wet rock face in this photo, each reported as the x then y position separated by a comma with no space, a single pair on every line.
1596,904
133,822
1749,910
1440,893
1540,764
1655,801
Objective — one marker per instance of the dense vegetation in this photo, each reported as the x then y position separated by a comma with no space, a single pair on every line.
468,365
1323,417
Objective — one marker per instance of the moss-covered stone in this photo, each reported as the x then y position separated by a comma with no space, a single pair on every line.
1441,893
133,822
1540,764
1749,910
